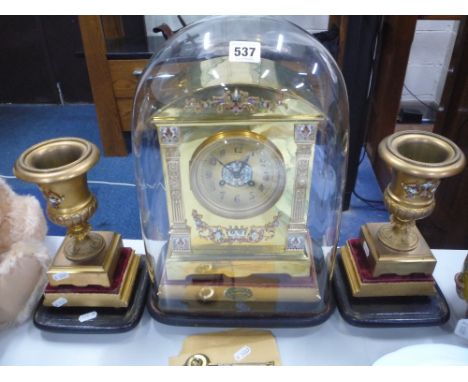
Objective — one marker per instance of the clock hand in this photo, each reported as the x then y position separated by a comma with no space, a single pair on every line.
221,163
244,163
225,166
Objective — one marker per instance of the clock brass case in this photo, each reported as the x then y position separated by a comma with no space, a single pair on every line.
264,242
239,167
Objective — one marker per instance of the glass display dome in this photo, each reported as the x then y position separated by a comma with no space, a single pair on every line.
240,135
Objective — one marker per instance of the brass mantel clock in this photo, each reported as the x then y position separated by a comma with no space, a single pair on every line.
240,165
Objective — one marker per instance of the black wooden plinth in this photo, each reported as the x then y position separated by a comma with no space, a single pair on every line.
387,311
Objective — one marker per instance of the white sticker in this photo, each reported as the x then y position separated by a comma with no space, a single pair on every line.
243,352
461,329
244,51
61,276
88,316
61,301
366,248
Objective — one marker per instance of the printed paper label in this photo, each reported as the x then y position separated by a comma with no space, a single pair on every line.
245,51
61,301
243,352
61,276
461,329
366,248
88,316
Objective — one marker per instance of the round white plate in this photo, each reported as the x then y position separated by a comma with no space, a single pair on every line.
426,354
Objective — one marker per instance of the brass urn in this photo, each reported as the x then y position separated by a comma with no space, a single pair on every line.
392,258
59,167
461,281
418,161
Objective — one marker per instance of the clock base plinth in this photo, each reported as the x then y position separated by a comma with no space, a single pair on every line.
387,311
282,301
243,319
180,267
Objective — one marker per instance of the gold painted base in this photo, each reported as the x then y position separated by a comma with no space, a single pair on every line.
385,260
180,269
98,271
251,294
360,288
251,289
120,299
180,265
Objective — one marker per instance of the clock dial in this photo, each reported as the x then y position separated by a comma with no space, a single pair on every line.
237,174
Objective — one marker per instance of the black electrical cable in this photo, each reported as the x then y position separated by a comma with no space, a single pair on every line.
419,100
363,155
374,204
370,93
371,203
182,21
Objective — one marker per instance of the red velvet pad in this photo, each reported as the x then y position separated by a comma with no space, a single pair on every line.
124,260
365,271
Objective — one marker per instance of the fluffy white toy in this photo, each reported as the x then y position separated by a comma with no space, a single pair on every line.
24,259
